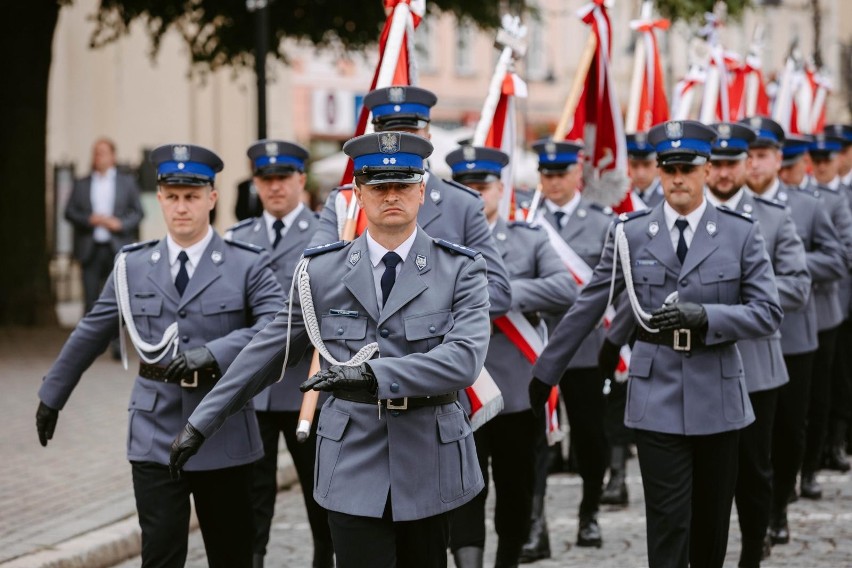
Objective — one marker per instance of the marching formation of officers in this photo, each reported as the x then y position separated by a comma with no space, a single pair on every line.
723,298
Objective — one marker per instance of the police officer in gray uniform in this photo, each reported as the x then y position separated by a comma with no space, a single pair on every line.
541,284
699,279
583,226
395,451
794,168
642,169
763,359
283,229
451,211
832,308
190,302
825,260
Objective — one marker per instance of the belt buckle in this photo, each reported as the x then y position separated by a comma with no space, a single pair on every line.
389,404
190,384
685,345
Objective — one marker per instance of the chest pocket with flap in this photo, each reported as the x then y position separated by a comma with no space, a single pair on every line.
220,305
425,326
725,276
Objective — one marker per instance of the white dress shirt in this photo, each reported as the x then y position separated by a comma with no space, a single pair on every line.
693,218
194,253
772,192
377,252
568,208
103,200
288,220
731,203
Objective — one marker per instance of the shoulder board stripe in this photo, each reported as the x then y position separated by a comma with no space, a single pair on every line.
468,252
633,215
460,186
140,245
243,223
245,245
770,202
525,225
735,214
314,251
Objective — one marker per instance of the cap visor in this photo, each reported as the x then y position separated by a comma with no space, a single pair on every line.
681,158
476,177
183,179
275,170
724,157
377,178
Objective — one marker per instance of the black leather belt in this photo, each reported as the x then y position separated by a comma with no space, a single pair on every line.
397,403
678,339
158,373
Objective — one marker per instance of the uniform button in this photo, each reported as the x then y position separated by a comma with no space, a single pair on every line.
394,412
721,274
683,282
645,278
394,387
432,329
222,305
339,331
182,313
718,334
143,309
185,339
384,332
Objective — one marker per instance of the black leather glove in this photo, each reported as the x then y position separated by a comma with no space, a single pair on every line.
185,363
184,447
341,377
539,393
608,358
680,316
46,418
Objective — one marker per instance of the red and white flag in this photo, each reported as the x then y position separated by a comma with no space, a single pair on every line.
648,95
597,118
503,136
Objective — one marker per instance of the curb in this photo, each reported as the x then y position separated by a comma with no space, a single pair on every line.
119,541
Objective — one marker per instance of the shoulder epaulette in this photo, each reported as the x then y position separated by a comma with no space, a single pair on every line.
737,214
807,191
241,224
321,249
525,225
601,208
633,215
140,245
826,188
460,186
244,245
469,252
772,202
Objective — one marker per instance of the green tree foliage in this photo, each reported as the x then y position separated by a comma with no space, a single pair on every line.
694,10
221,32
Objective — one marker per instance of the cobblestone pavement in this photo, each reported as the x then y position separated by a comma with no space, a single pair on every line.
821,530
80,484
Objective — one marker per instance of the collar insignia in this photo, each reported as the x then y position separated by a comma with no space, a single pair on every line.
653,228
216,256
354,257
711,227
420,262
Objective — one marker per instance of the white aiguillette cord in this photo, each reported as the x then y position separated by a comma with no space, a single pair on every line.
622,249
125,315
303,280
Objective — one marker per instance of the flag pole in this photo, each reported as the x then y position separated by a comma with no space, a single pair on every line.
576,88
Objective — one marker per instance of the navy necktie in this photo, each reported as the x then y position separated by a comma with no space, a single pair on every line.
182,278
390,259
277,226
681,225
560,215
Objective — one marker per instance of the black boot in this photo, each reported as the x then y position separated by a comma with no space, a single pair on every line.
779,530
810,487
589,533
537,546
835,453
751,553
468,557
257,561
508,553
615,492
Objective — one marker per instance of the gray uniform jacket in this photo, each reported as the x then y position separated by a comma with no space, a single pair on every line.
229,298
585,232
826,263
127,207
763,358
432,335
837,206
540,284
283,396
726,270
451,212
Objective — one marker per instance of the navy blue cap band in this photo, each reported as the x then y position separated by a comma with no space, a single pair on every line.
400,159
700,146
825,146
279,160
762,133
400,108
559,158
171,167
479,165
731,144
